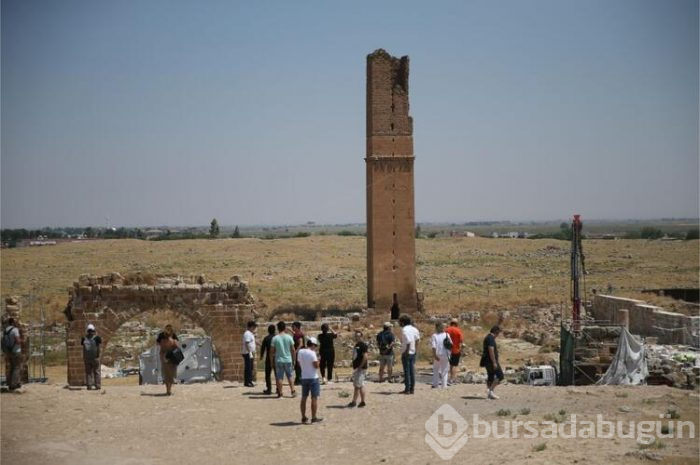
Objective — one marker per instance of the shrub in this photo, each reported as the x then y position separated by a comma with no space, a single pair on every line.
539,447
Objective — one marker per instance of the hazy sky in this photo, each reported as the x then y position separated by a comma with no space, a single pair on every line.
175,112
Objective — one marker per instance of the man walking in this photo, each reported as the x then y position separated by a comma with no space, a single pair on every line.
310,385
359,374
409,339
283,353
457,343
12,349
489,360
248,353
385,342
265,353
441,345
91,356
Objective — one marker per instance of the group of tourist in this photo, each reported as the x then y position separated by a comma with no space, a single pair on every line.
299,359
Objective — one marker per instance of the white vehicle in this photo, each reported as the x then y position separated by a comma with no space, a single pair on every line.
543,375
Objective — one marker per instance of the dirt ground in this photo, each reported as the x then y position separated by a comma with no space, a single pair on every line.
228,423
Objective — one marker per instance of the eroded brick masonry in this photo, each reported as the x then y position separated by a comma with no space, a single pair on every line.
391,251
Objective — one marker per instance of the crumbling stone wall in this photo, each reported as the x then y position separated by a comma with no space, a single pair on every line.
649,320
222,310
391,251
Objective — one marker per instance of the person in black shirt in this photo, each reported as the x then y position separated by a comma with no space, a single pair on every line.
489,360
265,353
359,365
327,352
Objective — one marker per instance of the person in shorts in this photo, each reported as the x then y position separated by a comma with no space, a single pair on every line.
385,342
310,384
283,353
489,360
457,344
359,374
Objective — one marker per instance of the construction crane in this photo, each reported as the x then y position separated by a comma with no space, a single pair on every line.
578,270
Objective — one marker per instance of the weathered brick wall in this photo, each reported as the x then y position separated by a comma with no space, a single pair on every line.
222,310
390,192
649,320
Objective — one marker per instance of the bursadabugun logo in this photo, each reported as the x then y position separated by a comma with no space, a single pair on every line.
446,431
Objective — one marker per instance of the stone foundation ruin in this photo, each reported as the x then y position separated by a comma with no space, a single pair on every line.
109,301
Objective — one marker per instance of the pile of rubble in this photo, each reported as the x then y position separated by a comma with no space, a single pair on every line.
677,366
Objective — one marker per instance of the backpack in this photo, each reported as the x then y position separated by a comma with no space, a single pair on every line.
384,348
447,342
8,340
91,350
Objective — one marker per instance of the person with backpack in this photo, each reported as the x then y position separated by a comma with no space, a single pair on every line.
441,345
91,356
168,341
12,349
385,342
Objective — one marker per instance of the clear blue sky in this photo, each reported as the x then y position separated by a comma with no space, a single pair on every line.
175,112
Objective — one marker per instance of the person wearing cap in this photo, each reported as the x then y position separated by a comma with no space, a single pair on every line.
91,356
13,355
456,351
248,353
310,384
385,342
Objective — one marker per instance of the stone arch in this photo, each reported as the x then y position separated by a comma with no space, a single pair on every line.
108,302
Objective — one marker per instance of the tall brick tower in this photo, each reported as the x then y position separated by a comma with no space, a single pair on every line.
391,248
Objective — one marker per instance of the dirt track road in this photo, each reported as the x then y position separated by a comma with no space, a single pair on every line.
224,423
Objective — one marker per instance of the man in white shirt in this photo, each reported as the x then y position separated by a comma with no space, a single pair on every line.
248,353
310,384
409,339
441,356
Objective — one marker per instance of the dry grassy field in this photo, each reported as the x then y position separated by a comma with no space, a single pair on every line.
456,274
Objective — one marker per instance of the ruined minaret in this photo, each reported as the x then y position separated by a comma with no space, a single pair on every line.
391,248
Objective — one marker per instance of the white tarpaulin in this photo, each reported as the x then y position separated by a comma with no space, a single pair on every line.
199,364
629,365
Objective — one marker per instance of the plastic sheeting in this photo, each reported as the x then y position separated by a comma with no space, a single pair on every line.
200,363
629,365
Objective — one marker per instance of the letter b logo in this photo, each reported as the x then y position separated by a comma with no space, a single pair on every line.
446,431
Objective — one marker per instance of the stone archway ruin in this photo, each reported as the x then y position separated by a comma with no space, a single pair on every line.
109,301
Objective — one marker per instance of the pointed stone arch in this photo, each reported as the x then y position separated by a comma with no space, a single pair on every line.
109,301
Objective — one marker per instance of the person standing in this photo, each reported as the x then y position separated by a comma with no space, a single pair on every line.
299,342
457,345
265,353
12,349
310,385
167,340
489,360
91,343
327,352
359,374
385,342
248,353
441,355
409,339
283,353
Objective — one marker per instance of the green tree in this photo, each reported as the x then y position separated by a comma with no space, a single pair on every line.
692,234
418,231
214,228
236,233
